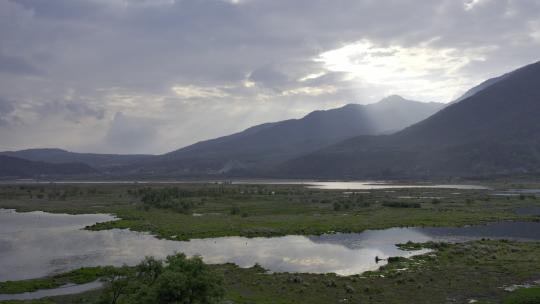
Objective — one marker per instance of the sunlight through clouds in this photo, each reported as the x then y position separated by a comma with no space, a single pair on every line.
256,61
192,91
311,91
400,67
470,4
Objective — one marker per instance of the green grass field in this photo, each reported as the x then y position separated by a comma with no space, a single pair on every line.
268,210
453,273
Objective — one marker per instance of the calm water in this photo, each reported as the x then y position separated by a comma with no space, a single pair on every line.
37,244
376,185
60,291
357,185
518,192
533,210
332,185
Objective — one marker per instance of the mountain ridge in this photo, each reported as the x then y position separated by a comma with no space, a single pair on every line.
268,144
14,167
58,156
492,132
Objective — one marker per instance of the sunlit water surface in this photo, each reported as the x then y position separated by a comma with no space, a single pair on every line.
380,185
325,185
37,244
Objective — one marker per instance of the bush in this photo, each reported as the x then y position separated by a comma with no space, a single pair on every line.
395,259
401,205
524,296
177,280
235,210
167,198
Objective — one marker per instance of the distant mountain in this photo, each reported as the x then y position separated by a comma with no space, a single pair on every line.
493,132
13,167
269,144
99,161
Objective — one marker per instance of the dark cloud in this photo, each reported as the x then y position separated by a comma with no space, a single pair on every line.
6,108
14,65
268,76
71,110
62,9
131,134
126,56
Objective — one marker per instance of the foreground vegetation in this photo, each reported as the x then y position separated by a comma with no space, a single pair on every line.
78,276
452,273
185,211
177,280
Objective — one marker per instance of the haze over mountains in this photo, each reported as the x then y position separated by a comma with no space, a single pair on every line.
56,156
268,144
493,130
261,146
14,167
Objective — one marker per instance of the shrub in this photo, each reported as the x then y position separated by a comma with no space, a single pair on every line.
177,280
524,296
235,210
401,205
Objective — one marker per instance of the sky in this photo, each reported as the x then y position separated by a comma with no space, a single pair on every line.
151,76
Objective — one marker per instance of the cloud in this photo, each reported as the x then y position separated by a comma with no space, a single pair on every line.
269,77
431,73
6,108
9,64
472,4
191,91
223,65
130,134
310,91
71,110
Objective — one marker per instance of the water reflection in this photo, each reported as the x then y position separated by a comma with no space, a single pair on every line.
60,291
381,185
38,244
533,210
356,185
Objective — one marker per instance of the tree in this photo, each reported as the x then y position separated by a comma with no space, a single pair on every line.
178,280
188,281
117,284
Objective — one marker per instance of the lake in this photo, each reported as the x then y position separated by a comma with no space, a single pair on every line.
358,185
381,185
325,185
36,244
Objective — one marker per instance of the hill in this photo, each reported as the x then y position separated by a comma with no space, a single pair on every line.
268,144
13,167
494,132
57,156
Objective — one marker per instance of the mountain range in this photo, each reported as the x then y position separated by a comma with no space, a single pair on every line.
14,167
57,156
266,145
258,147
492,130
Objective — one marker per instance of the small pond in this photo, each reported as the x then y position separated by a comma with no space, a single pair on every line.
67,289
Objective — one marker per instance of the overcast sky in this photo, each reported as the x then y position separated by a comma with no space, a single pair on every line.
150,76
